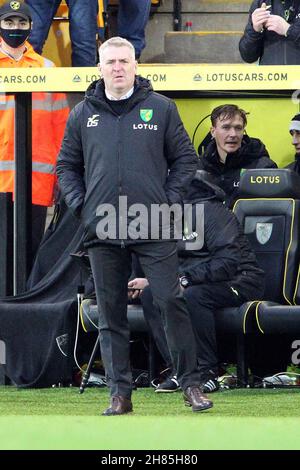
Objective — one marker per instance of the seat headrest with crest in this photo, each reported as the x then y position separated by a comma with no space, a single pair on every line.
273,183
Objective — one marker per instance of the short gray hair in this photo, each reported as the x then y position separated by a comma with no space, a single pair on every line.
116,41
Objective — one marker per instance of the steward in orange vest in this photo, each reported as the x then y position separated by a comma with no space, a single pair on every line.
49,114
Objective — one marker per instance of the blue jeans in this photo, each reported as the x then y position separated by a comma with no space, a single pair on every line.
83,27
132,20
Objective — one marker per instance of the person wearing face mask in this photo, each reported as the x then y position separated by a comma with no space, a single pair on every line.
231,151
49,115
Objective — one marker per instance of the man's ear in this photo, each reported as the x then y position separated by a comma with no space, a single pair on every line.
212,131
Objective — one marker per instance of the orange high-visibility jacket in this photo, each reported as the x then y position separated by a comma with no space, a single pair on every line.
49,115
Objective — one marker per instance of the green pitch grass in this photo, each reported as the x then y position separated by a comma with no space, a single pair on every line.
60,418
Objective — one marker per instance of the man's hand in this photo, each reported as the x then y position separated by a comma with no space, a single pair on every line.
136,286
277,24
259,18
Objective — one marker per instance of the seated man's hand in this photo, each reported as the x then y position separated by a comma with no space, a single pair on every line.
277,24
136,286
259,18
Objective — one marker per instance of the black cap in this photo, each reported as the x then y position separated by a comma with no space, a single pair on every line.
15,8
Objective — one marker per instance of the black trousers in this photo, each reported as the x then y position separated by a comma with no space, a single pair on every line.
202,302
111,267
154,321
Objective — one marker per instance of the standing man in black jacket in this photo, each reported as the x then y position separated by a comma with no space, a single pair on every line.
295,133
231,151
272,34
125,146
222,273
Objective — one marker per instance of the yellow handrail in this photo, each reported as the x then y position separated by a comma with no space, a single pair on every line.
100,14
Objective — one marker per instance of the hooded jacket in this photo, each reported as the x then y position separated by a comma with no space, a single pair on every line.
251,154
267,46
144,155
295,165
226,255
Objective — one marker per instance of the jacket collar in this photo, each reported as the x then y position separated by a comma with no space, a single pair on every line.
96,93
250,149
29,53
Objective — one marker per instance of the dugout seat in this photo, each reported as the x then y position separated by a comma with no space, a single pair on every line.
89,320
282,316
89,316
268,210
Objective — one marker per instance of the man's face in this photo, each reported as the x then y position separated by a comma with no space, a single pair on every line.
15,22
228,134
118,69
296,140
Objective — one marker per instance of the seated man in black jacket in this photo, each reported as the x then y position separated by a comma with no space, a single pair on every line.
272,34
223,273
295,133
231,151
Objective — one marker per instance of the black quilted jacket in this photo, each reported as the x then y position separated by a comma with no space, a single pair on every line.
144,155
252,154
269,47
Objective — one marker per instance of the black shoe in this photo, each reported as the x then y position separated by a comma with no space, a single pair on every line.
210,385
169,385
194,397
119,406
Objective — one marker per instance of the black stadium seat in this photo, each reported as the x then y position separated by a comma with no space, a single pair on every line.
269,211
137,324
283,316
89,316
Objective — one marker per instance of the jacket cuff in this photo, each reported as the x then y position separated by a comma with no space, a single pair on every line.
75,209
254,35
293,32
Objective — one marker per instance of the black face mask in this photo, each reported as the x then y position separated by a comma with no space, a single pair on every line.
14,37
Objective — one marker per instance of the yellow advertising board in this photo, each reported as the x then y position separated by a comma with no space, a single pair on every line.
268,118
169,77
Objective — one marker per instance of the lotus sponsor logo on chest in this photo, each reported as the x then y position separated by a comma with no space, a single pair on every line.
146,115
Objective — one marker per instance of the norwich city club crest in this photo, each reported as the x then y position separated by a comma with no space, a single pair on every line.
146,114
15,5
263,232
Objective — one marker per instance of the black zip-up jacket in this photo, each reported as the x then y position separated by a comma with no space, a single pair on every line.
251,154
269,47
226,254
144,154
295,165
